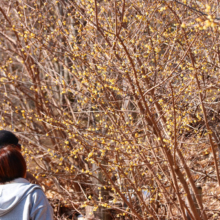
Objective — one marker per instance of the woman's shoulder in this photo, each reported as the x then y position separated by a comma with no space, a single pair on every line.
40,204
38,194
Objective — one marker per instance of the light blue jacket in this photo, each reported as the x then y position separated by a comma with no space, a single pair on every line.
21,200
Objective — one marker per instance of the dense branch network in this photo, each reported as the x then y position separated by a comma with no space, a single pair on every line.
117,102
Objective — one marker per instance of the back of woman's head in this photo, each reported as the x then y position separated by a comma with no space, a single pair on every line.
12,164
7,138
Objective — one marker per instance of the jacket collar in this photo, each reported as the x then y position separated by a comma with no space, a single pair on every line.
19,180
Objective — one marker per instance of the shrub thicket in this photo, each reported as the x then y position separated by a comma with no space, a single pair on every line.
116,102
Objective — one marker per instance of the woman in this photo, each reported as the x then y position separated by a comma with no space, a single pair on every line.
19,199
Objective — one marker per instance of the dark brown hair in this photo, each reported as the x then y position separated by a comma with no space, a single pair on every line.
12,164
7,138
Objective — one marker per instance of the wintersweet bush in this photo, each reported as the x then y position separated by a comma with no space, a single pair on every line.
116,102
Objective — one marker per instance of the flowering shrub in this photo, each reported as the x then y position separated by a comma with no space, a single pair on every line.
116,102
